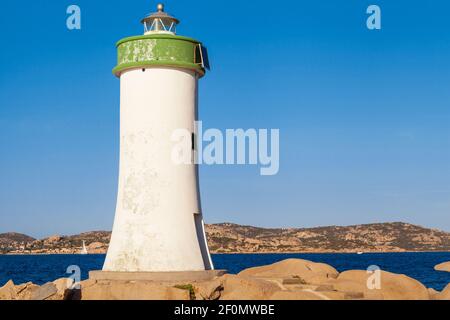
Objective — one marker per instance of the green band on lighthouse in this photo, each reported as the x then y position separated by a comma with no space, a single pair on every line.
159,50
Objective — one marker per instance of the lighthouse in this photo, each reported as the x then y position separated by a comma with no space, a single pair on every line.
158,225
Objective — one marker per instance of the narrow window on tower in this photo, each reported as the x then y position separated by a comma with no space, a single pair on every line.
193,148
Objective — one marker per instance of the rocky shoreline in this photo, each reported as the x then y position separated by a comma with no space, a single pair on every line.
77,251
233,238
291,279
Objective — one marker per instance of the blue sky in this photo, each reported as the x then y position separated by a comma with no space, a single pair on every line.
363,115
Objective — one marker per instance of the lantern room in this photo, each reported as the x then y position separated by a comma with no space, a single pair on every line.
160,22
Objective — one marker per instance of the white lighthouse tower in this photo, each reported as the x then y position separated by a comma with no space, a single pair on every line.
158,225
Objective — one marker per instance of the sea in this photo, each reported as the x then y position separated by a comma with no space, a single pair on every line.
40,269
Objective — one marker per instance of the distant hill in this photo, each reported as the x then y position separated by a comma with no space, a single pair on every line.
233,238
12,238
386,237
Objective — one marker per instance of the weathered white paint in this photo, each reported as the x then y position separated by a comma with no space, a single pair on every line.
158,224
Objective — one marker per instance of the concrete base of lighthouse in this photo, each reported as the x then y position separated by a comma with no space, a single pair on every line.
174,276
